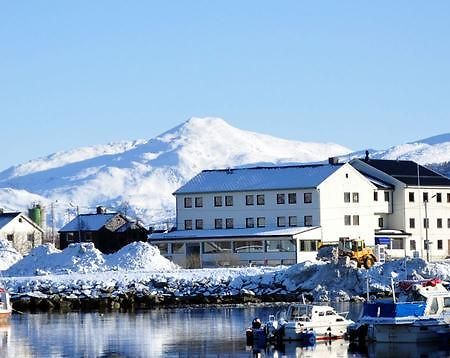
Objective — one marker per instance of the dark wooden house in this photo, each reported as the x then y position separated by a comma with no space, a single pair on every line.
108,231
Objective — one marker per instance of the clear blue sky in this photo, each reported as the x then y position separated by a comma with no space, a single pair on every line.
364,74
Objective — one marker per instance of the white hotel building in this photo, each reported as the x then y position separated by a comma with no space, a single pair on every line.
281,215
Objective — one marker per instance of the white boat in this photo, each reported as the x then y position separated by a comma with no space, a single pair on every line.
301,318
420,314
5,306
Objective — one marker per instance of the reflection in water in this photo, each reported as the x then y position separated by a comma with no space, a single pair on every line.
196,332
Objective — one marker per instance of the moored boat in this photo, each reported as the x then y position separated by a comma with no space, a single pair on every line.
5,306
308,321
420,314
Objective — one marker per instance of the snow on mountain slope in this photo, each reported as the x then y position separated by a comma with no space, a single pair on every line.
433,150
140,177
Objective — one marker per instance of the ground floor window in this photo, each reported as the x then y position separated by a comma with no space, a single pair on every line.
412,245
249,246
439,245
215,247
177,248
397,244
163,248
280,245
309,245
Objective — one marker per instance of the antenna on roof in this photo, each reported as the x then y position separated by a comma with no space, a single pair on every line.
229,170
366,159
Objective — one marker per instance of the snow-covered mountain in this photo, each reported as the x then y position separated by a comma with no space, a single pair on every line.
139,177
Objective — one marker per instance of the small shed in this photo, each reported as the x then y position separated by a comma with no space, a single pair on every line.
108,231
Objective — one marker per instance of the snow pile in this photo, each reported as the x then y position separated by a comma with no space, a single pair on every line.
85,258
139,256
8,255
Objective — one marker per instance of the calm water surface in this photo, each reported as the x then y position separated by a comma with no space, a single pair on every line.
195,332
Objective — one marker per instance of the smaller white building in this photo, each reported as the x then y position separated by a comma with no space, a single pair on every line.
21,231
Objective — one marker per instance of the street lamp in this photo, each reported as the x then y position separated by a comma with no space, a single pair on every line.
427,242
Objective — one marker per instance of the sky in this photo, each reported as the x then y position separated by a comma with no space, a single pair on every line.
362,74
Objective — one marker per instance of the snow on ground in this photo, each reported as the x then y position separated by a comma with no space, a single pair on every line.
85,258
8,255
82,271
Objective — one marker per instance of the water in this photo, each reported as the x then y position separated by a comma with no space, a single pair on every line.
183,332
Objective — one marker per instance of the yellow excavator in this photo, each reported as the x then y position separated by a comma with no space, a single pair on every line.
356,250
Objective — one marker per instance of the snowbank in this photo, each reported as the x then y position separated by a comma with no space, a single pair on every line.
85,258
8,255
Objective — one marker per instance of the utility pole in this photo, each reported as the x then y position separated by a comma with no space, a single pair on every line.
79,224
427,243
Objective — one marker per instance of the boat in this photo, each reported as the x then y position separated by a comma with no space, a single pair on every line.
421,313
5,306
309,322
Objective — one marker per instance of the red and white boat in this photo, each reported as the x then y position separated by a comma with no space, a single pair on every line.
5,306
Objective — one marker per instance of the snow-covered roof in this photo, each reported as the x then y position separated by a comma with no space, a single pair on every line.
229,233
6,218
259,178
377,182
88,222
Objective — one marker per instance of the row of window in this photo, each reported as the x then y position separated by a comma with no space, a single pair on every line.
425,197
282,221
354,197
249,246
228,200
426,223
399,244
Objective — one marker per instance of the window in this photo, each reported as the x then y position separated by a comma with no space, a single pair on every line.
307,198
346,197
307,220
448,223
380,222
261,222
309,245
375,196
249,246
249,222
426,223
198,202
280,198
188,224
163,248
425,245
439,245
249,200
199,224
412,223
438,198
355,219
188,202
260,199
229,223
218,223
386,196
439,223
177,248
216,247
355,197
448,197
217,201
292,198
397,244
292,221
281,221
228,200
280,245
425,196
411,197
30,237
412,245
10,237
347,219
